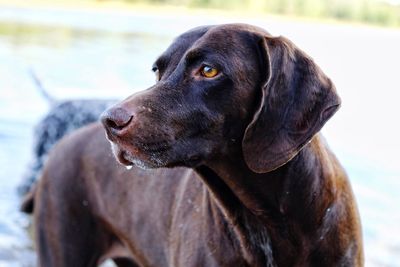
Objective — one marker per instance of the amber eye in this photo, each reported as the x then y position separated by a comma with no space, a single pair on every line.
209,72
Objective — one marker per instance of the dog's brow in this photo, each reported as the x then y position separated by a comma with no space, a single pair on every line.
161,62
193,55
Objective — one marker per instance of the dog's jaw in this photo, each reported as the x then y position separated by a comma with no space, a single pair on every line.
132,156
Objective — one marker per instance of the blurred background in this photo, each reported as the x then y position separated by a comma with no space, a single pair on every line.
105,49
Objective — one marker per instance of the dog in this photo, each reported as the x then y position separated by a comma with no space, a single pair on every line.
225,166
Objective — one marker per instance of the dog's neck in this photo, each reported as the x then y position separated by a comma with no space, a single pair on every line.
260,206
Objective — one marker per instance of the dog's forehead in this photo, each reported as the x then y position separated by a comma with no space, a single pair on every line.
187,39
235,29
225,35
212,36
180,45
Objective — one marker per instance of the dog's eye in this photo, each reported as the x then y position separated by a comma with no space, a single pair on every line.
157,73
208,72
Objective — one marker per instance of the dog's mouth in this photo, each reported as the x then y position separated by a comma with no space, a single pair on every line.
153,155
144,155
149,151
123,158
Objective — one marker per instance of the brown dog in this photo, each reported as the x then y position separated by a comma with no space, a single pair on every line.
242,110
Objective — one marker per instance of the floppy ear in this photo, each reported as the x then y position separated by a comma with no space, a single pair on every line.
296,101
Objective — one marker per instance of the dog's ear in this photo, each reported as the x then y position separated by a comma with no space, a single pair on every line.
296,101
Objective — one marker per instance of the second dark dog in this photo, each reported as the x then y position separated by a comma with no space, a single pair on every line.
63,118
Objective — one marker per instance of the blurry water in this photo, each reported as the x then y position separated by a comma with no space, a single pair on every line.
85,54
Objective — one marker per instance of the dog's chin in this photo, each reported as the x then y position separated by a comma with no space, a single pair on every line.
189,162
130,156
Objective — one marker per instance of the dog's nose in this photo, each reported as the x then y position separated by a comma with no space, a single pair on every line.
115,119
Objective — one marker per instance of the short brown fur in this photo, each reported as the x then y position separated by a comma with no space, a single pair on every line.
253,183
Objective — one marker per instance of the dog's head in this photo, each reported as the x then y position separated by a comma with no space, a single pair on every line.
223,88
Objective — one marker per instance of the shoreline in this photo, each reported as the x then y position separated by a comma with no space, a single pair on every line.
172,11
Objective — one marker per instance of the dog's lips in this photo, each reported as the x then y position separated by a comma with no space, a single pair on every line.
121,156
140,154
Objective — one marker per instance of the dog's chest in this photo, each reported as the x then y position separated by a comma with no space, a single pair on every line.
199,234
199,241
